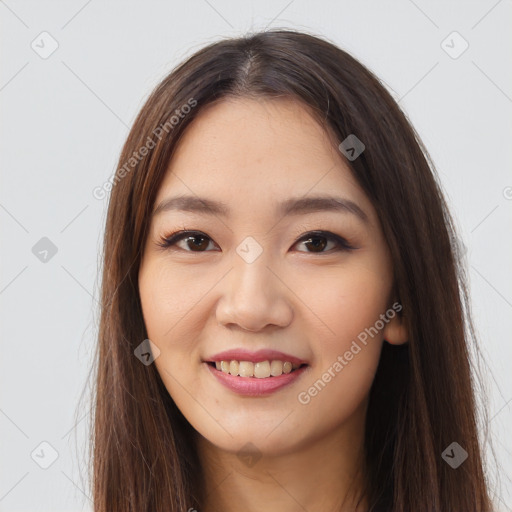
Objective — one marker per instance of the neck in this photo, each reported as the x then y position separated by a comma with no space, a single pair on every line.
324,474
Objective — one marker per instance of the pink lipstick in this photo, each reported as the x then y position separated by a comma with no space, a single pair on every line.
284,370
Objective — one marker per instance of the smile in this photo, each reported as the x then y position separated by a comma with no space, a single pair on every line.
259,370
253,379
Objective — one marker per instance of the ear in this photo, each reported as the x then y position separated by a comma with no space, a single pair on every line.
395,332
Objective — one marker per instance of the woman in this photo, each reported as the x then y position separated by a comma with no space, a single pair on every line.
283,321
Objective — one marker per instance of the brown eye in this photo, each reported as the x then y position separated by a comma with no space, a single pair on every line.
197,242
318,241
194,241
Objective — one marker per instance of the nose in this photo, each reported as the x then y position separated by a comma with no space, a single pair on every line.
254,296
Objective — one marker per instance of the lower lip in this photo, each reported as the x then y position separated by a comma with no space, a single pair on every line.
252,386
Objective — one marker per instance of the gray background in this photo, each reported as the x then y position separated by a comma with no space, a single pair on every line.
65,117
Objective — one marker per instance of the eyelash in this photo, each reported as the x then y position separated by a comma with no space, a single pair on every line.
170,240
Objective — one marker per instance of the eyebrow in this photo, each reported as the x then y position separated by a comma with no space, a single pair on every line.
292,206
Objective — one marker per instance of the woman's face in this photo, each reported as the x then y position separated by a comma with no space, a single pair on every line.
255,278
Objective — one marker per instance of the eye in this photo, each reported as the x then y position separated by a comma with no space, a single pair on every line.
193,239
196,241
318,240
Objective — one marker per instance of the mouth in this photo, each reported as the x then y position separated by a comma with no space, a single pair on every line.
260,370
255,379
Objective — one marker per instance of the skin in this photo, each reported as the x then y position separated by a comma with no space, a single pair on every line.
251,155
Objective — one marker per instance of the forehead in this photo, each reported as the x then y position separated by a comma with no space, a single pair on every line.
254,153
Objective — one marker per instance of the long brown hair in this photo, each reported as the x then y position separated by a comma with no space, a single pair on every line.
424,394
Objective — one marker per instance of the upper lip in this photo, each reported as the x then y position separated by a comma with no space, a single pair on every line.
241,354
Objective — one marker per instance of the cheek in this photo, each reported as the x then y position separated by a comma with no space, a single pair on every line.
168,297
173,305
349,301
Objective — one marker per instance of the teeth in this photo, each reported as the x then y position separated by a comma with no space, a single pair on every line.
260,370
276,368
233,367
246,369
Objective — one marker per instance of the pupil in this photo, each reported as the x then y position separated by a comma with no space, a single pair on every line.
195,238
320,242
